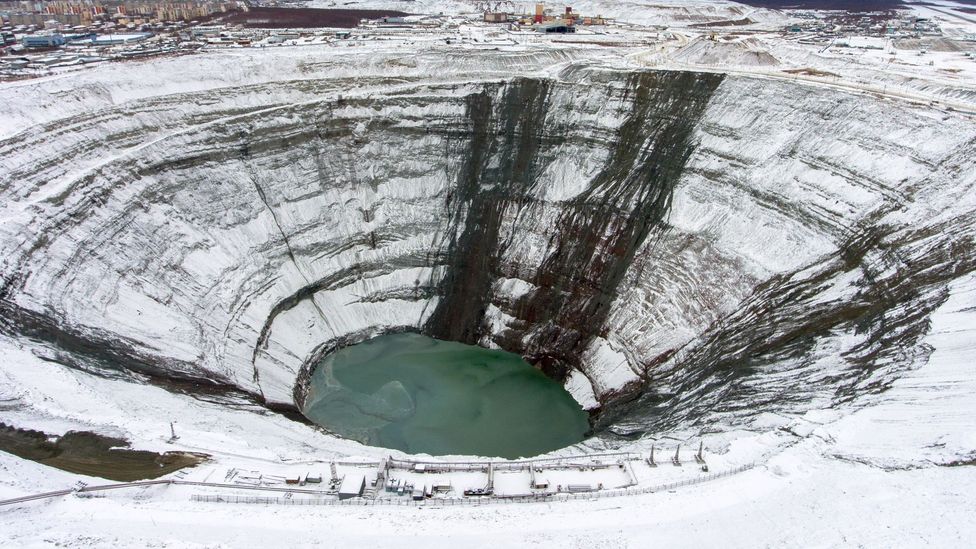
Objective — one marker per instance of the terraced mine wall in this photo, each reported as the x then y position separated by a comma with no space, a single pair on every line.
673,246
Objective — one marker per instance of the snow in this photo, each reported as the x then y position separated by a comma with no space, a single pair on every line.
788,166
928,415
645,12
611,369
793,502
784,196
581,389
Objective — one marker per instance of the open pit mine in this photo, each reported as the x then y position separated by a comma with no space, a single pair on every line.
756,295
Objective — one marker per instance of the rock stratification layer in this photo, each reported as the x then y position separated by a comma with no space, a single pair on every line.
672,245
593,235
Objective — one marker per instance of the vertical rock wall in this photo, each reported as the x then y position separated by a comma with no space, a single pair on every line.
596,232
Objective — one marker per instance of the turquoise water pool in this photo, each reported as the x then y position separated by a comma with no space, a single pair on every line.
421,395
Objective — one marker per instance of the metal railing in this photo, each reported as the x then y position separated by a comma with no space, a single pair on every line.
83,489
583,459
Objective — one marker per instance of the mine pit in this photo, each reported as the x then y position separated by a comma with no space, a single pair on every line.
382,279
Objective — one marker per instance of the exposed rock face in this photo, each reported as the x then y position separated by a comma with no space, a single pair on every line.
704,245
594,234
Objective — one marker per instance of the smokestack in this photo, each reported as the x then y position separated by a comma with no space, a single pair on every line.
538,13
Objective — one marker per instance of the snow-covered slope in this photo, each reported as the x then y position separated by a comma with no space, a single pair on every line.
725,246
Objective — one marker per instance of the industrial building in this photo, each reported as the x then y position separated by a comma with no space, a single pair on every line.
43,41
558,27
495,17
117,39
353,485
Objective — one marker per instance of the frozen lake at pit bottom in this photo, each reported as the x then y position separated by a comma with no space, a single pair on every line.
421,395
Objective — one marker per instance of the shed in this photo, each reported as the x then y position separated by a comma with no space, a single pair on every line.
353,485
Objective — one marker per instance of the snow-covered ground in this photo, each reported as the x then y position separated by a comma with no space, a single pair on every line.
869,478
800,499
642,12
801,149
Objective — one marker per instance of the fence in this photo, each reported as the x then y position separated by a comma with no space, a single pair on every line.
584,459
103,487
550,497
562,496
